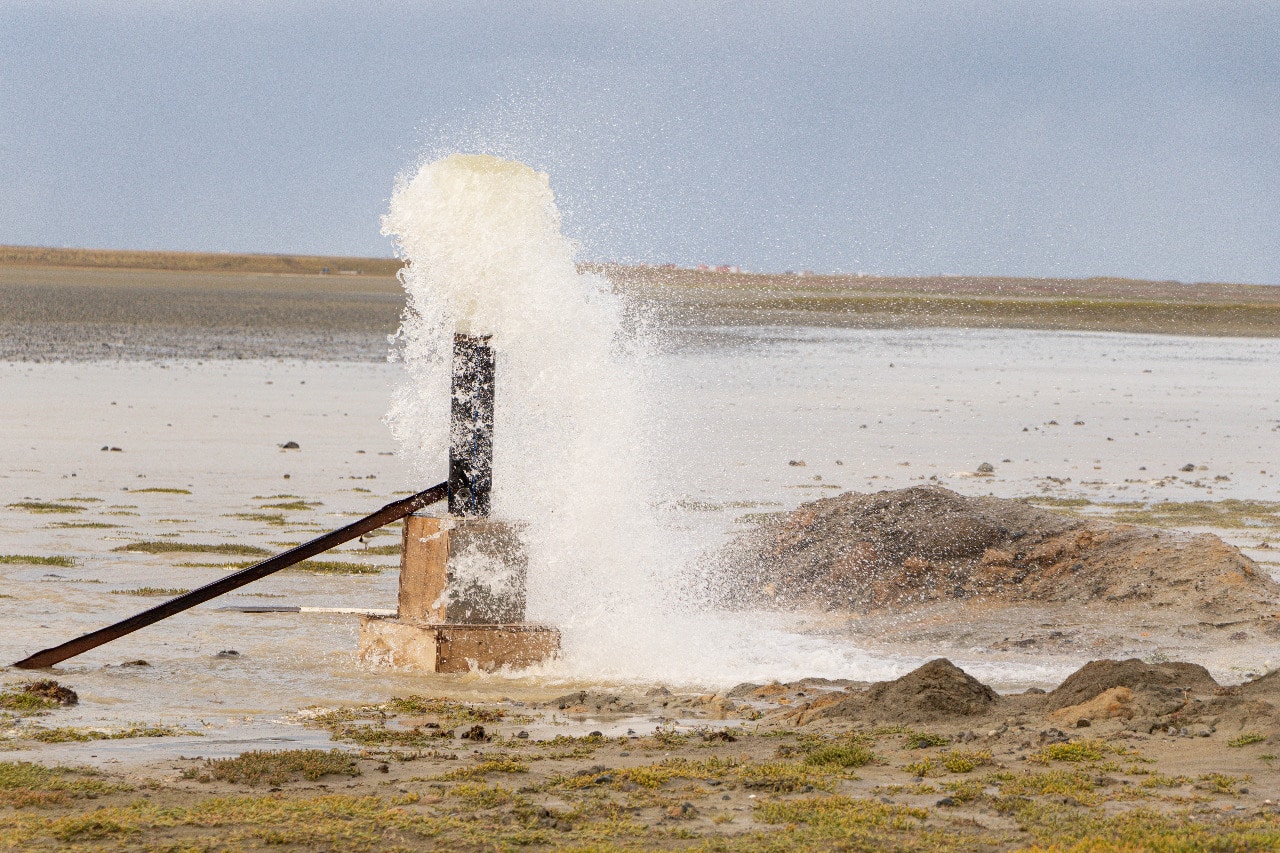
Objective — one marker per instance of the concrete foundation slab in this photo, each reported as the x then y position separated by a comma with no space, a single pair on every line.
431,647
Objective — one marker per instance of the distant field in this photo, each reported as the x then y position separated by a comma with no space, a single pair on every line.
35,256
92,304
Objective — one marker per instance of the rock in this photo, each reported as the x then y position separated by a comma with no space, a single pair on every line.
227,653
1190,466
290,445
986,468
475,733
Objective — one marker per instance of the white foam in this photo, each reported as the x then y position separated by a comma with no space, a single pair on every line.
486,256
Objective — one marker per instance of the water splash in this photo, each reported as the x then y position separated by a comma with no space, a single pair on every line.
485,255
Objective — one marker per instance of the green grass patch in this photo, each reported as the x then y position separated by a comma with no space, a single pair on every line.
1224,514
45,507
337,567
159,491
483,768
294,506
840,756
71,734
1246,739
152,590
274,519
1075,752
1221,783
1066,503
276,768
81,525
21,702
379,551
1058,782
860,823
965,760
31,560
157,547
24,784
924,740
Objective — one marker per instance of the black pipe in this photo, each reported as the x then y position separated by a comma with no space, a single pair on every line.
471,426
389,513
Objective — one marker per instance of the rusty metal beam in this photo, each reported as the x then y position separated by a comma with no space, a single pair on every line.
389,513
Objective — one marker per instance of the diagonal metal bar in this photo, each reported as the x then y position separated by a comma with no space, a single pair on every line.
389,513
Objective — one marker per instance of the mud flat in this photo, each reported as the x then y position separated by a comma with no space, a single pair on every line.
1122,755
86,305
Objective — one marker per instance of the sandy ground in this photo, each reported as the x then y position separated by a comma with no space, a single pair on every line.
200,389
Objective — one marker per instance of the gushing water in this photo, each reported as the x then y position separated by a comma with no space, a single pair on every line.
486,256
574,447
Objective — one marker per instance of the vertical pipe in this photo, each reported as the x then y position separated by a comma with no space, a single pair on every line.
471,426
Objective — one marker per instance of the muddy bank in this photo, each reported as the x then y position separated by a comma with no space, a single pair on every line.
1120,755
926,544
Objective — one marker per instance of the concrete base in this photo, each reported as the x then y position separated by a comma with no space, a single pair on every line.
437,647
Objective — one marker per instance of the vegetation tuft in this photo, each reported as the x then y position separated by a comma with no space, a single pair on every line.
45,507
160,547
276,768
31,560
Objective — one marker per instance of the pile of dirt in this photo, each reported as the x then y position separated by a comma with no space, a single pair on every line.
936,692
927,543
1129,688
1180,698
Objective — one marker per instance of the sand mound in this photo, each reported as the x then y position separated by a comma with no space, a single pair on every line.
1098,676
935,692
1129,688
927,543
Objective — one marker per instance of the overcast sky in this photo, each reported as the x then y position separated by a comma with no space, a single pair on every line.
1020,138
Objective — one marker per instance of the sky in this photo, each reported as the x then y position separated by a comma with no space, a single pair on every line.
1075,139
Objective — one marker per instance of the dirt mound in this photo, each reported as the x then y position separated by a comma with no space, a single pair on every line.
1264,689
1098,676
937,691
927,543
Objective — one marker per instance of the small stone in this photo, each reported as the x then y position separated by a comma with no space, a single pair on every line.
290,445
1190,466
946,801
522,735
796,463
986,468
682,811
227,653
1082,723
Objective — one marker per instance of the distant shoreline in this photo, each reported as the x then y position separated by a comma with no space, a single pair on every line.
70,304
